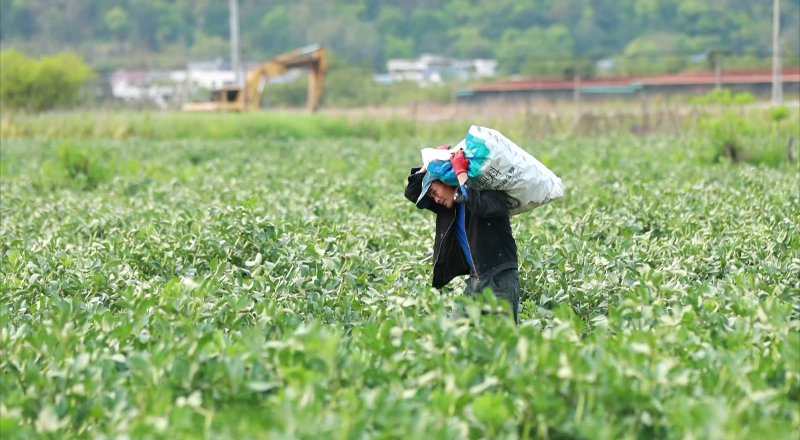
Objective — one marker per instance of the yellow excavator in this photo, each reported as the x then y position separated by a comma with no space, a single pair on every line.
237,99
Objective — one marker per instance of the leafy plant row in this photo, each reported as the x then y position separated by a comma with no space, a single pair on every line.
280,289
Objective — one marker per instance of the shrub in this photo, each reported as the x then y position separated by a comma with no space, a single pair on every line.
724,97
754,138
76,167
743,136
778,114
37,85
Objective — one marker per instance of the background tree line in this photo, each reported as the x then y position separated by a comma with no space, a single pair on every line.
526,36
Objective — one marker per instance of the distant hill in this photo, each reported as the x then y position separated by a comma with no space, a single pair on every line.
521,34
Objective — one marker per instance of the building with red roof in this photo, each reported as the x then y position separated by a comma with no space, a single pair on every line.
757,82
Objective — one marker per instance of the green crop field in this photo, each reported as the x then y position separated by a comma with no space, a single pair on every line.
279,289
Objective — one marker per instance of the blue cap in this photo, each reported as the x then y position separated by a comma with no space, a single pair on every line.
422,201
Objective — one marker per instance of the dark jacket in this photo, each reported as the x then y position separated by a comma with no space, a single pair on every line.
487,227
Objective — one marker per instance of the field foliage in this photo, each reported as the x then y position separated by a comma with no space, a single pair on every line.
718,129
279,289
179,126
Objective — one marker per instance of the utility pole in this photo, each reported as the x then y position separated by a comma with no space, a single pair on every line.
777,85
234,15
715,57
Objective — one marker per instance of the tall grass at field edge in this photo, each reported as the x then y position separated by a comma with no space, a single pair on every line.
273,125
169,126
757,138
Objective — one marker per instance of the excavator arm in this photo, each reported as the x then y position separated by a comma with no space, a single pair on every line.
311,57
257,78
233,98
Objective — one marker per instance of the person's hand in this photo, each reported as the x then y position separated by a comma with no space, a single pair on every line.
459,162
443,147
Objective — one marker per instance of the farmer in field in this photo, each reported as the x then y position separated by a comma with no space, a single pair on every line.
473,233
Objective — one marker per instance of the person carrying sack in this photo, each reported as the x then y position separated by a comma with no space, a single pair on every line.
473,233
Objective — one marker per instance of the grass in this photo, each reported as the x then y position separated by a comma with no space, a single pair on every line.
255,125
267,288
755,135
178,125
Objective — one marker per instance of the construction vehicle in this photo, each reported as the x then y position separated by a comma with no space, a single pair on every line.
235,98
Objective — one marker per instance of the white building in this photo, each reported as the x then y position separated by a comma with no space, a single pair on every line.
209,75
128,85
165,87
484,68
173,87
432,69
157,87
210,79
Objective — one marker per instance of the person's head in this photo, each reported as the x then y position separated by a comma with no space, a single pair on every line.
441,193
436,190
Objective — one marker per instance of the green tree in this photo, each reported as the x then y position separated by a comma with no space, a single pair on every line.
393,22
274,33
117,22
395,47
535,44
36,85
468,42
162,31
429,29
